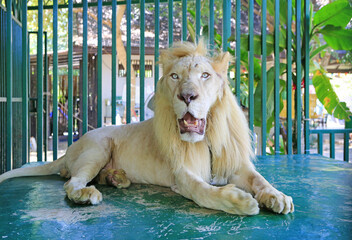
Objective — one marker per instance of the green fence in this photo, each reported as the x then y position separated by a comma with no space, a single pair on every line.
228,10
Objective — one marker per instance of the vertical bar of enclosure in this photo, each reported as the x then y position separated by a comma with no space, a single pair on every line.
332,145
45,98
320,143
100,63
306,75
142,61
156,45
226,23
289,77
277,80
70,74
55,81
128,62
238,50
345,147
40,83
298,75
197,20
211,24
171,22
24,84
264,80
113,64
9,81
251,65
184,20
85,69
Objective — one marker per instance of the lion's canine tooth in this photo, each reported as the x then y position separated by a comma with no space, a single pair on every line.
196,122
185,122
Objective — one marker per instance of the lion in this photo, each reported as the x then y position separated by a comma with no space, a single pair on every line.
198,143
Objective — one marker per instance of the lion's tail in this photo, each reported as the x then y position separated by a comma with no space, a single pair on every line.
46,169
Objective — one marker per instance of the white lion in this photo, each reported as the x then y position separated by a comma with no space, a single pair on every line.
198,143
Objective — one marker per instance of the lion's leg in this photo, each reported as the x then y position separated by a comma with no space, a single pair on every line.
113,177
267,196
228,198
84,170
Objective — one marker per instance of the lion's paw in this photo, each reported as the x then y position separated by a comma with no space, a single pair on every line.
239,202
87,195
275,200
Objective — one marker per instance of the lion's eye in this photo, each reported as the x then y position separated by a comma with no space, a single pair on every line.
205,75
174,76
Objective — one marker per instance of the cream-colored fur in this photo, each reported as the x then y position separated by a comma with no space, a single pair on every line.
214,169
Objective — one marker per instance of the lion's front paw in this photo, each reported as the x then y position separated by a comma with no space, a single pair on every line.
275,200
86,195
237,201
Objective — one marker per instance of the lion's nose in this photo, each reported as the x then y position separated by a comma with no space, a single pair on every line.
187,97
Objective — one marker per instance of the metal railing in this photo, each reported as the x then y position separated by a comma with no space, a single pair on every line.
302,43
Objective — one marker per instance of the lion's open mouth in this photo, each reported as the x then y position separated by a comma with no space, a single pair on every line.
191,124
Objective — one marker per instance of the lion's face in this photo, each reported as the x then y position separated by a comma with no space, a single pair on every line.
194,87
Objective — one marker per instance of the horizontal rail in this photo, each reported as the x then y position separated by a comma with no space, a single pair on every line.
93,4
323,131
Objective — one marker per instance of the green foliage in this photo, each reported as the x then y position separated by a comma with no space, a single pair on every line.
328,97
337,14
337,38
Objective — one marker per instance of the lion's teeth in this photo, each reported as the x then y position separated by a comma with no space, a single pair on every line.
196,123
185,122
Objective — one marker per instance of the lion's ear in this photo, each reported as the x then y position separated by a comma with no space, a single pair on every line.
221,62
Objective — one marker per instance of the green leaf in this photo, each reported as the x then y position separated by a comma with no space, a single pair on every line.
270,98
337,37
318,50
337,13
328,97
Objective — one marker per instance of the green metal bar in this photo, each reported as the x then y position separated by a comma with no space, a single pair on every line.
238,50
70,74
156,46
320,143
226,23
24,84
345,130
198,15
113,65
264,80
55,81
128,63
332,145
289,77
345,147
298,76
9,81
211,24
28,95
40,83
306,75
45,99
277,79
142,61
171,22
251,65
93,4
100,63
85,69
184,20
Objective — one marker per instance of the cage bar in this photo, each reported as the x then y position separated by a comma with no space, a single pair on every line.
70,75
277,78
113,65
211,25
156,44
9,118
100,64
85,69
238,51
142,61
184,20
298,77
264,79
289,77
251,65
128,62
40,83
198,15
170,22
306,76
25,134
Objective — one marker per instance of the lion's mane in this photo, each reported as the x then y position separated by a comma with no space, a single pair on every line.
227,139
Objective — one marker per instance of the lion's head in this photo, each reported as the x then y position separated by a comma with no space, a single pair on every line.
192,82
195,108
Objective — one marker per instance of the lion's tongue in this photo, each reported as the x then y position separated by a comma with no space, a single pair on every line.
189,118
191,124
